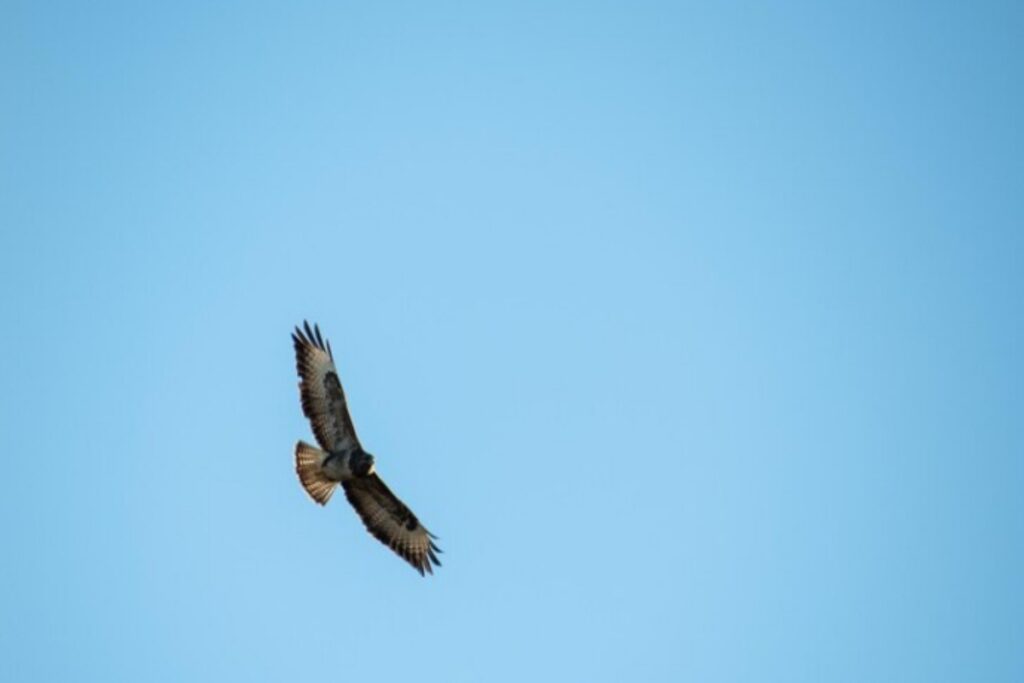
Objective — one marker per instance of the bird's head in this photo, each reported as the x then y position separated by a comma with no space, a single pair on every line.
362,464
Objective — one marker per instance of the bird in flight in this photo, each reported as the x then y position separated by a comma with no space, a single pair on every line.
342,460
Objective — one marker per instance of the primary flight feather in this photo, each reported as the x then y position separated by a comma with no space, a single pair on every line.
342,460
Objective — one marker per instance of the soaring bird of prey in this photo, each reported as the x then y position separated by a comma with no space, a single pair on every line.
342,460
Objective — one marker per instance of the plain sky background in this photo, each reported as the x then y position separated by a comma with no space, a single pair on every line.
694,331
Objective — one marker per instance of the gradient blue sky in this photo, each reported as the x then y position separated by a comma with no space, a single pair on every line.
694,332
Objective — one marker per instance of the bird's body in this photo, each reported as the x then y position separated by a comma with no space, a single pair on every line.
341,466
342,460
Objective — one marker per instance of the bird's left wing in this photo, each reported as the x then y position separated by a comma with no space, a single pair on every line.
391,522
323,399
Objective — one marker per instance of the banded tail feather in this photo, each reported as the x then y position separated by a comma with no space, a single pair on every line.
308,462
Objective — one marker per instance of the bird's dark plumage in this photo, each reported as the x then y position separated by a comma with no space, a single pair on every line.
323,399
343,459
391,522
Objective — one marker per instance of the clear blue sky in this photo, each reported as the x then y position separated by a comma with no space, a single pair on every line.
694,332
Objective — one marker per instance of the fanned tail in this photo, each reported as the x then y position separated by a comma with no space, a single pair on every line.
308,461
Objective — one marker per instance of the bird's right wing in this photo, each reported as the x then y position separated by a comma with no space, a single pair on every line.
391,522
323,400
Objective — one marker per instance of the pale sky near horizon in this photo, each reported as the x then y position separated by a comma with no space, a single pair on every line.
694,331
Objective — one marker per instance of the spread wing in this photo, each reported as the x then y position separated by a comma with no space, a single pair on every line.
391,522
323,400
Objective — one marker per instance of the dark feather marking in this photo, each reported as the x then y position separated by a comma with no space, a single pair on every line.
336,400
